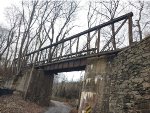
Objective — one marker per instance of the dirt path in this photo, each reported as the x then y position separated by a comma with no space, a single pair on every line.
59,107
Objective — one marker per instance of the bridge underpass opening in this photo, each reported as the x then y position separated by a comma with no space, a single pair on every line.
67,87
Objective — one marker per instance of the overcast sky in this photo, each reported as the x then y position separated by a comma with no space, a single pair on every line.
81,17
7,3
4,4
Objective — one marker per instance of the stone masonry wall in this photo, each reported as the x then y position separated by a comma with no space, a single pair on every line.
19,84
34,85
118,83
130,80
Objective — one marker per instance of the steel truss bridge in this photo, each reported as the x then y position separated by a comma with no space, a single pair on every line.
71,53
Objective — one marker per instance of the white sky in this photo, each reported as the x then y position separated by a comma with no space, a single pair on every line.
4,4
7,3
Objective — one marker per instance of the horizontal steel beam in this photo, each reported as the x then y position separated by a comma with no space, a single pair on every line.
73,64
81,57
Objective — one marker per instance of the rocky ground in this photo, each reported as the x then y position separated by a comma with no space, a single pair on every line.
15,104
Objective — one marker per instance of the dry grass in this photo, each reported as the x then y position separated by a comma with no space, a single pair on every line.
15,104
74,111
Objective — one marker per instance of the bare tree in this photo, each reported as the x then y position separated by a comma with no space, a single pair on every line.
6,39
103,11
141,16
41,23
92,15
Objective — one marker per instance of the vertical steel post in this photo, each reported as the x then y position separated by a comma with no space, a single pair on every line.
77,46
88,43
113,37
70,47
98,41
130,35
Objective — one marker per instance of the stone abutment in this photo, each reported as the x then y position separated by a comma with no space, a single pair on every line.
118,83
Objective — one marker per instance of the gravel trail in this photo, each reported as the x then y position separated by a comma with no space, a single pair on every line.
59,107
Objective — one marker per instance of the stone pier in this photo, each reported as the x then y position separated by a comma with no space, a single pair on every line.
40,87
34,85
96,85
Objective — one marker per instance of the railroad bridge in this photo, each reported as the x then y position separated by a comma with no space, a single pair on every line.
71,53
98,55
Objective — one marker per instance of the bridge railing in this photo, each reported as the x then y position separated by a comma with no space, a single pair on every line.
85,43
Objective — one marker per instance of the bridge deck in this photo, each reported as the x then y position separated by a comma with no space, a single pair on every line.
73,64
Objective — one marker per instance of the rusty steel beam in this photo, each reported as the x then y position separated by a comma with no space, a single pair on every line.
82,57
76,64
